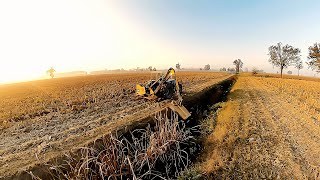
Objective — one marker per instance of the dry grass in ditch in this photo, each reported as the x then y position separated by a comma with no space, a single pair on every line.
135,156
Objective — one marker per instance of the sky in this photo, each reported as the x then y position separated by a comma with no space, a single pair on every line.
72,35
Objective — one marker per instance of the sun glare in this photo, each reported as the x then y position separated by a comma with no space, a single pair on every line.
11,74
81,36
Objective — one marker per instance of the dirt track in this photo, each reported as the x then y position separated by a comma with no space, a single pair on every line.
44,136
269,129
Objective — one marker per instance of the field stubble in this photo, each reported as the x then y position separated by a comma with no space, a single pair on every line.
43,119
269,128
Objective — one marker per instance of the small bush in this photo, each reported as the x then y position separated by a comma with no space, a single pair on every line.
255,71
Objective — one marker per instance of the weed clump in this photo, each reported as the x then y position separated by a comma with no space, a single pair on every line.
154,152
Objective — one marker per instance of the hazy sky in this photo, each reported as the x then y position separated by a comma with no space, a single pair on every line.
95,34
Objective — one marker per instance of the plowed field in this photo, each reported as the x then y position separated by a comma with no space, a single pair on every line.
41,120
269,129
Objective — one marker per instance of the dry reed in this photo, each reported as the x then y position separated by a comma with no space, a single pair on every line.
154,152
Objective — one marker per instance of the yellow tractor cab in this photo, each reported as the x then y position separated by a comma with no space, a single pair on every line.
165,87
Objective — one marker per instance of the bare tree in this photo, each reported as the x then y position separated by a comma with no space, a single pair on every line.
178,66
299,66
255,71
51,72
314,57
223,69
283,56
238,64
207,67
232,70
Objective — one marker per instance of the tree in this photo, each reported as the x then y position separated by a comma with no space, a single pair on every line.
283,56
314,57
255,71
207,67
51,71
290,72
238,64
231,70
150,68
299,66
178,66
223,69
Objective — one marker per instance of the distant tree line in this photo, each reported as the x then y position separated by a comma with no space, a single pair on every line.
283,56
206,67
238,67
150,68
256,71
231,70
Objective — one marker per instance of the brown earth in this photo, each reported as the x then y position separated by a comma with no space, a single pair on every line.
269,129
42,120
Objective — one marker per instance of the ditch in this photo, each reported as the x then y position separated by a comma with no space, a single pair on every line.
157,147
